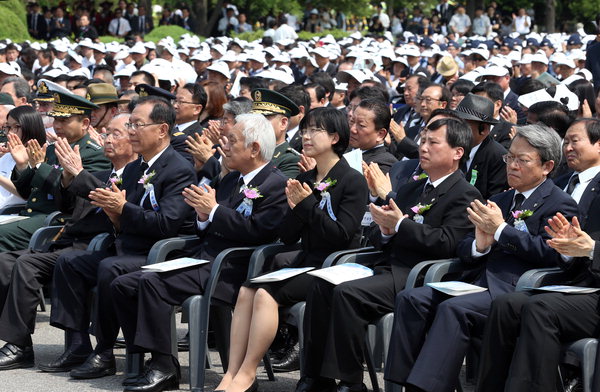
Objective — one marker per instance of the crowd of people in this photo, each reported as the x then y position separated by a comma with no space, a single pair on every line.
484,147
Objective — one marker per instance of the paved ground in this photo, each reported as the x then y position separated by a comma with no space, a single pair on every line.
48,343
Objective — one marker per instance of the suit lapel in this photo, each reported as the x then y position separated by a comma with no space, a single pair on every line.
589,194
254,183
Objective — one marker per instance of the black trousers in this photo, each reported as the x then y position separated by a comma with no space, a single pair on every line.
22,275
145,303
525,333
431,334
336,321
75,275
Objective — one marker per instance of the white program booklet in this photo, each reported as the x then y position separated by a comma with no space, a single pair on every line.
175,264
343,273
354,159
282,274
566,289
456,288
4,219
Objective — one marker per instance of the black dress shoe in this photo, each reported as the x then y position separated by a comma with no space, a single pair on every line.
253,387
15,357
95,367
290,362
64,363
154,380
308,384
342,387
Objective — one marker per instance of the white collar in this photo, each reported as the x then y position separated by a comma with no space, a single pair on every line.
437,182
184,126
248,177
529,192
154,158
588,174
292,132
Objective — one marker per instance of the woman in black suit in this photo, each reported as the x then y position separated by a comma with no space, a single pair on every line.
326,208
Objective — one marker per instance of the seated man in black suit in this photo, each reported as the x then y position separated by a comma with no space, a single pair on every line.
368,128
226,217
337,316
432,330
25,272
148,208
485,169
530,367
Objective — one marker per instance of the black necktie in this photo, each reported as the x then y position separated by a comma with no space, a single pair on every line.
428,188
142,24
143,168
118,26
573,181
519,199
238,187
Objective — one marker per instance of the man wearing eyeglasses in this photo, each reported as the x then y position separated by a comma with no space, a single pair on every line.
189,103
28,270
148,207
432,330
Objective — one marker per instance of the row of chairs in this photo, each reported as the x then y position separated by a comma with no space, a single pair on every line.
198,310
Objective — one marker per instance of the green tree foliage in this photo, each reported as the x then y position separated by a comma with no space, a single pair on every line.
161,32
13,24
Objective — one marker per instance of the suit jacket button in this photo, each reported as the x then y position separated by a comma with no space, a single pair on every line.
29,210
34,200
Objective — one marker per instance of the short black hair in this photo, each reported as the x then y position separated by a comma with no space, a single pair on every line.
530,86
333,121
320,91
253,82
462,86
32,126
298,95
492,90
592,127
553,114
198,92
445,94
325,80
584,91
380,109
367,92
458,134
148,77
162,111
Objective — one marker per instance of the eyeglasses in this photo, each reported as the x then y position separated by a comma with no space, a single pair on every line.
428,100
310,132
8,128
180,102
509,159
136,126
114,135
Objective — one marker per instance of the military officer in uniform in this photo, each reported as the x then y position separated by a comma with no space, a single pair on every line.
278,109
37,171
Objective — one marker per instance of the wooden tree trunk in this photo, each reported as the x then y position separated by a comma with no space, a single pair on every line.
550,16
199,12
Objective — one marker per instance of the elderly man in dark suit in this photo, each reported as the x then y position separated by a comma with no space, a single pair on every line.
433,330
484,169
435,221
536,356
28,270
146,299
148,208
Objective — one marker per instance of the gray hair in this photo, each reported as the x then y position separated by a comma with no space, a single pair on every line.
257,129
238,107
544,139
20,85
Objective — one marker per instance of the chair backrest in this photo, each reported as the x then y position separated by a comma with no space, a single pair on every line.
359,258
264,252
42,236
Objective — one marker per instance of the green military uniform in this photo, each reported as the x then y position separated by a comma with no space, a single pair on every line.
39,184
269,102
285,160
